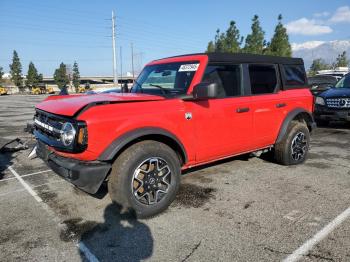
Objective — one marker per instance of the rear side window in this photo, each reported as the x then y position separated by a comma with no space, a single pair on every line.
228,78
294,75
263,79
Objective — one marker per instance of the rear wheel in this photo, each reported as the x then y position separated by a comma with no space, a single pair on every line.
294,147
145,178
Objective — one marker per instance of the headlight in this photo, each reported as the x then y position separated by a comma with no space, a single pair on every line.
68,134
320,101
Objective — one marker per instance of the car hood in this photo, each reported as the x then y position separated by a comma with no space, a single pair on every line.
71,105
336,92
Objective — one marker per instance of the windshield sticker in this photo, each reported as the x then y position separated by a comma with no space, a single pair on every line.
188,68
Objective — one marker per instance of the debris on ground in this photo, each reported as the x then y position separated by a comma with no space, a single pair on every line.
13,145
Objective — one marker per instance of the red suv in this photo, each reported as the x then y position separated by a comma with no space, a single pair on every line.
182,112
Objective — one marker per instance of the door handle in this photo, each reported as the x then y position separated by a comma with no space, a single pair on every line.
242,109
281,105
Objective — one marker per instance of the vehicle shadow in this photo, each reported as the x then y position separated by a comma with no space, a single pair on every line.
5,162
121,237
335,124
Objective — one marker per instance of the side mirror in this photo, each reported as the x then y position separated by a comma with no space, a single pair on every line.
205,91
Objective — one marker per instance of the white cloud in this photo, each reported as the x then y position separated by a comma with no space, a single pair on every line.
341,15
322,14
304,26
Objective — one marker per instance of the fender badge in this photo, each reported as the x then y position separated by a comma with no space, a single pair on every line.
188,116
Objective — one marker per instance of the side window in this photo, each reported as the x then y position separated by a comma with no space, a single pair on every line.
228,78
294,75
263,79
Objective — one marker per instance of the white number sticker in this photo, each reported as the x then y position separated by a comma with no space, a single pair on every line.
188,68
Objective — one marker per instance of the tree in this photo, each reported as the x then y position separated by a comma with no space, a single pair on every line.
317,65
211,47
76,76
16,69
60,76
230,41
40,78
233,39
279,44
1,73
255,42
219,41
342,60
32,76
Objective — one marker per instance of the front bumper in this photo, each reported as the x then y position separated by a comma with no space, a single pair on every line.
325,113
88,176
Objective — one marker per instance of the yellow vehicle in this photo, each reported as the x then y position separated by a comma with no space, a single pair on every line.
3,91
36,90
81,89
50,90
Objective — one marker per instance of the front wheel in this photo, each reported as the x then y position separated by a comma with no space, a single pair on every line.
294,147
145,178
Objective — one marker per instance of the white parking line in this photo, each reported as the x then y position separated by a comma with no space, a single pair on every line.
82,247
87,253
308,245
32,174
22,190
25,185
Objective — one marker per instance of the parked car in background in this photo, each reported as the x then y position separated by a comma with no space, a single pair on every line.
182,112
3,91
337,72
334,104
321,83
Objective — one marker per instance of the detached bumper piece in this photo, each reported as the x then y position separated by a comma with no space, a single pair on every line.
324,113
88,176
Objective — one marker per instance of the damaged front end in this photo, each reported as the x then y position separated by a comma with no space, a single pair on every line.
62,134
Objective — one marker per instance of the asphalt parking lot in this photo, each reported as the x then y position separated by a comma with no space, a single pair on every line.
243,209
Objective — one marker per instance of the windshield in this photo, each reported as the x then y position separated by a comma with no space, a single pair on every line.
170,79
344,82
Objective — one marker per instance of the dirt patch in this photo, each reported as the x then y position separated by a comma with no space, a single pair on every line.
51,199
248,204
323,155
191,195
10,235
319,165
76,227
200,177
33,244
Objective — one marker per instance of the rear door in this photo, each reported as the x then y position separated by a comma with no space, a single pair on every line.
268,103
223,126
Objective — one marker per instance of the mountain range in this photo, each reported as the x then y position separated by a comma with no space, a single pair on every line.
320,49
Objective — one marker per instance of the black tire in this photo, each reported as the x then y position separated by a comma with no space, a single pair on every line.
298,134
121,182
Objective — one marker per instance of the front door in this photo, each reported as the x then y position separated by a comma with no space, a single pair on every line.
223,126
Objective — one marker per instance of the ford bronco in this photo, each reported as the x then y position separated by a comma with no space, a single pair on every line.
181,112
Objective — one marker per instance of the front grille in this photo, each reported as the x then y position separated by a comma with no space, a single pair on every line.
338,102
48,124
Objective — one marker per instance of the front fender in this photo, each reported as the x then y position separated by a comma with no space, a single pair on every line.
119,143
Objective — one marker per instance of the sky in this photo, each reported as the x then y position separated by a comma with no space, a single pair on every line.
55,31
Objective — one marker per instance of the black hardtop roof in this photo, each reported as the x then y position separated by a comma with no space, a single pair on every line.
249,58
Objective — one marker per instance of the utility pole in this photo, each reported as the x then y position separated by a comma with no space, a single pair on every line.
132,62
115,77
121,67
